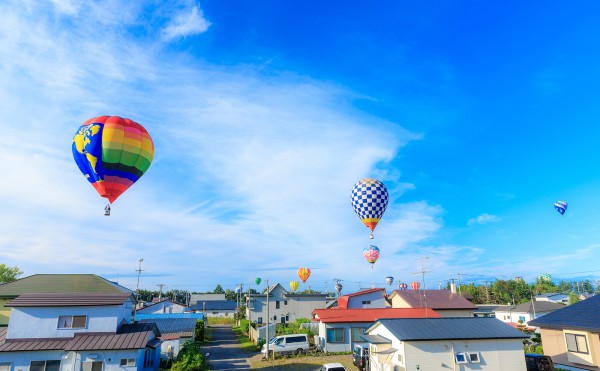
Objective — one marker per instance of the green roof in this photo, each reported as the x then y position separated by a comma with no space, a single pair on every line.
59,283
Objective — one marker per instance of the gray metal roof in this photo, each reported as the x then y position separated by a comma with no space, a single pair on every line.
538,306
375,339
584,315
129,336
434,299
70,299
214,305
180,326
461,328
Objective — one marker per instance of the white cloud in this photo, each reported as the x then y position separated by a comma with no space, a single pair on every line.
186,22
483,219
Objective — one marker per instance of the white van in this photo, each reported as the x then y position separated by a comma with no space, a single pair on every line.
282,344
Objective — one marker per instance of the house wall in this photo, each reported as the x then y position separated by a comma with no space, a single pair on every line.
374,299
555,346
495,354
43,322
510,316
347,344
293,307
4,312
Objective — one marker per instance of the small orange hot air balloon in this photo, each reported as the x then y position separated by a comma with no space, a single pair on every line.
303,273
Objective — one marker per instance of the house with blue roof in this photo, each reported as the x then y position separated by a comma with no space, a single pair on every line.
461,343
571,335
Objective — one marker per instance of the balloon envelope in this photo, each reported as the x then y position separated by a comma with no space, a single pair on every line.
561,207
369,199
371,253
402,286
389,280
303,273
112,153
415,285
294,285
258,280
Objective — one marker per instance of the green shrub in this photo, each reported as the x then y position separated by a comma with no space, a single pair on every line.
244,325
190,358
199,331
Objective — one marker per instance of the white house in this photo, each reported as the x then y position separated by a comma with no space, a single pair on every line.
215,308
77,331
371,298
175,333
340,329
462,344
553,297
525,312
163,306
283,306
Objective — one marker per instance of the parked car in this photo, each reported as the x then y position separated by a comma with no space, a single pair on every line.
360,357
332,367
285,344
538,362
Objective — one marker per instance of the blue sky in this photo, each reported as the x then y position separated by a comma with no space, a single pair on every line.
477,117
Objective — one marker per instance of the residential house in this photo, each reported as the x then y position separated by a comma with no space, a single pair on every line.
283,306
445,302
215,308
164,306
486,310
175,333
571,335
466,343
54,283
371,298
206,297
77,331
340,329
525,312
553,297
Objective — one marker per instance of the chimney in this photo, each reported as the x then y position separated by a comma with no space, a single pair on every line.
453,287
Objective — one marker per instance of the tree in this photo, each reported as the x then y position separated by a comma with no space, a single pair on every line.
218,290
9,274
573,298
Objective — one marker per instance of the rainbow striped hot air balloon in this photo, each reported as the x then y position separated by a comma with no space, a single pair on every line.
112,153
371,253
369,199
294,285
303,273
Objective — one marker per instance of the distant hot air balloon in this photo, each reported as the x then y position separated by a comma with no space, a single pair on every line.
303,273
415,285
402,286
369,200
389,280
371,253
238,289
294,285
561,207
112,153
258,280
338,288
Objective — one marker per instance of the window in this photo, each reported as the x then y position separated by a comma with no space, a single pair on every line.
91,366
460,358
277,305
72,321
522,319
4,366
473,357
335,335
576,343
44,365
400,358
274,318
366,302
127,362
355,333
285,302
287,317
282,319
259,320
251,303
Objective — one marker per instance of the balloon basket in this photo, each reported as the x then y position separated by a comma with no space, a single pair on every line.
107,210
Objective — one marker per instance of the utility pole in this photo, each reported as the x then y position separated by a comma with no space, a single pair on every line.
459,284
267,331
422,273
137,288
161,285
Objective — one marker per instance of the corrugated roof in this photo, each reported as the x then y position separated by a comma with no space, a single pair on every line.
79,299
375,339
59,283
174,327
460,328
435,299
129,336
540,306
338,315
584,315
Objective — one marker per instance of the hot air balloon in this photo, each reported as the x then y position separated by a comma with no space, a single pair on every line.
561,207
303,273
258,280
371,253
238,289
389,280
402,286
369,200
415,285
338,288
294,285
112,153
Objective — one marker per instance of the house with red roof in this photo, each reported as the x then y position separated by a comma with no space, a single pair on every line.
372,298
445,302
340,328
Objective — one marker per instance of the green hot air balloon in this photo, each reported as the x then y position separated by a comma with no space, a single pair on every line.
258,280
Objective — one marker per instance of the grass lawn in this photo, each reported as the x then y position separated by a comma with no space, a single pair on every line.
302,363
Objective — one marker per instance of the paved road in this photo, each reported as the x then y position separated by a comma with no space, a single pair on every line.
225,351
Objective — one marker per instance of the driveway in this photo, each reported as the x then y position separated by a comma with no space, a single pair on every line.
225,351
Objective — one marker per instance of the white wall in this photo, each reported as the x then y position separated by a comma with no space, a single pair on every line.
376,300
294,307
347,344
43,322
112,359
